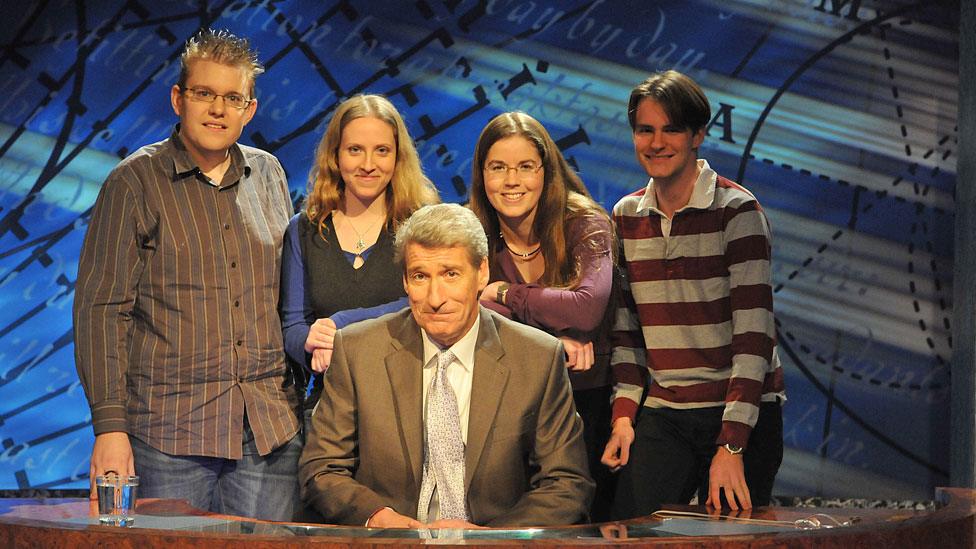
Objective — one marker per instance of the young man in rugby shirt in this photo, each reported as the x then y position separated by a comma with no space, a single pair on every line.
698,316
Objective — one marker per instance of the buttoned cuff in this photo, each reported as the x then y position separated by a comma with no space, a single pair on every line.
109,416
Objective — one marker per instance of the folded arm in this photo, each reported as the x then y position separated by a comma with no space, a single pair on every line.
580,308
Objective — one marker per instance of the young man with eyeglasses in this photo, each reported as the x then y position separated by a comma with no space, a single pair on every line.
177,337
697,322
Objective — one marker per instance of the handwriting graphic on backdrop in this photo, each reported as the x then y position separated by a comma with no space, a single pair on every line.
148,51
40,241
863,368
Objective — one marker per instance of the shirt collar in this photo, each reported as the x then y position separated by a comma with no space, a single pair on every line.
702,195
184,166
463,348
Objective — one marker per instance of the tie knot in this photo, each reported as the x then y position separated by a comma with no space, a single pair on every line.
444,359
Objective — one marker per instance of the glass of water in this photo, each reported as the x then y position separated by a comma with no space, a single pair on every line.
116,499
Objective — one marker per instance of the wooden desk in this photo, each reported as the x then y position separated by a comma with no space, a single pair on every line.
171,524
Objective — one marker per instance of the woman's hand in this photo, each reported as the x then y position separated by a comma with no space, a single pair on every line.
579,355
490,293
321,358
320,335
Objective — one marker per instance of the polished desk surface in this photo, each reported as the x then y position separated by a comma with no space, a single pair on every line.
171,523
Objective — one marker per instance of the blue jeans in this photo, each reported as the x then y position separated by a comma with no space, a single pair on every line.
255,486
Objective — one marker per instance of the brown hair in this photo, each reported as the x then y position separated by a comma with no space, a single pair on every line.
220,46
564,198
681,98
409,188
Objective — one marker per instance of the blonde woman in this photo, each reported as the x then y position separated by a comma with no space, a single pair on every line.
337,263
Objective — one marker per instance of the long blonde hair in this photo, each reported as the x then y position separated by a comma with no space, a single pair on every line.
409,188
564,198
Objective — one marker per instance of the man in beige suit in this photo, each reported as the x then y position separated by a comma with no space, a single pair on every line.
376,451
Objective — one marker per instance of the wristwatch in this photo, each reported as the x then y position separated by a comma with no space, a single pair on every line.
733,449
502,292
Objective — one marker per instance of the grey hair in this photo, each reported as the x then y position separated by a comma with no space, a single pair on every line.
443,226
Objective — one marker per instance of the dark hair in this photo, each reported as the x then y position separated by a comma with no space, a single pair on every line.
681,98
564,197
220,46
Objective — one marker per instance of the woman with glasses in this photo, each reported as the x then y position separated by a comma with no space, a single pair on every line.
552,263
337,263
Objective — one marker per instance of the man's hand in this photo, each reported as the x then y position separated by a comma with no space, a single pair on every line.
454,523
111,453
727,473
617,452
320,335
579,355
388,518
614,530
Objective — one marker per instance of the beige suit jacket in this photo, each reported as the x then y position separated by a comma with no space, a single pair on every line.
525,462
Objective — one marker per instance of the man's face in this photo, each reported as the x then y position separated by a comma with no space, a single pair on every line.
209,129
442,287
666,152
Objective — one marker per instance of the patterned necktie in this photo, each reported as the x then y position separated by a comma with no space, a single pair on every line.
444,457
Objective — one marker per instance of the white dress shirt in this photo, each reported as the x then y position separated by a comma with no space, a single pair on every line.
459,373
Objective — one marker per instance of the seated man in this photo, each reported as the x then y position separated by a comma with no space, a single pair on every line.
446,415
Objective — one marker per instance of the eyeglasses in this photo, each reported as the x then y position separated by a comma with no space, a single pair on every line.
204,95
498,171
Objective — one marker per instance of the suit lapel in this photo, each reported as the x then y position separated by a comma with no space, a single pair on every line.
404,366
487,388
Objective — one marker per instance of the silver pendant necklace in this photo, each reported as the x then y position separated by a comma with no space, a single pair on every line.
360,244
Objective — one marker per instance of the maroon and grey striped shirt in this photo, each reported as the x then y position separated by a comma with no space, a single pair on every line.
175,316
698,309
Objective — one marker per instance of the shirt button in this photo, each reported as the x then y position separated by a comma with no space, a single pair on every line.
226,226
239,342
237,303
233,264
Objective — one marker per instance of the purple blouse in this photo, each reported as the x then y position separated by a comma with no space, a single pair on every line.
577,313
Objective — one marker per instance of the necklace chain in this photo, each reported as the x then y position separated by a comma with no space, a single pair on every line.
360,244
525,255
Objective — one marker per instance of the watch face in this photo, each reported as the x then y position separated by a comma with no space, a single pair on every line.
733,449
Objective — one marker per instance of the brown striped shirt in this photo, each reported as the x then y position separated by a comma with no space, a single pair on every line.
175,314
698,309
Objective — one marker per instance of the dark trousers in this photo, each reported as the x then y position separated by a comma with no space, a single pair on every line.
673,450
593,406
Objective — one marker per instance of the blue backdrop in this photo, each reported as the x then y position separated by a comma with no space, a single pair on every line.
839,115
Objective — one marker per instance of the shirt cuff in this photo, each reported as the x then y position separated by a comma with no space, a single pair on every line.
341,319
109,416
734,433
374,514
623,407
